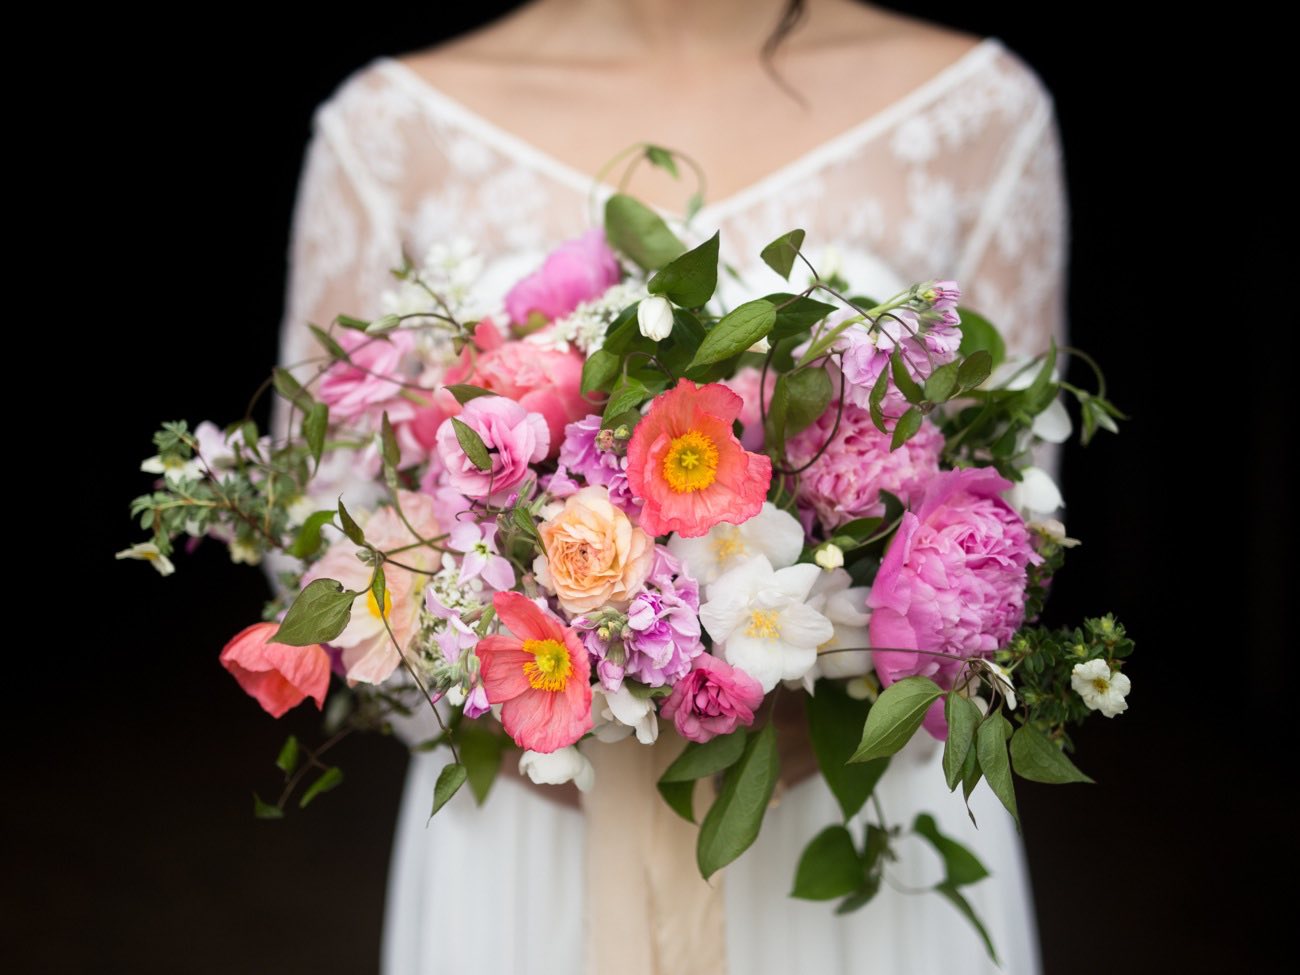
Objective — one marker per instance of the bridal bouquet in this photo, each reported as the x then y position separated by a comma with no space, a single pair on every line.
611,502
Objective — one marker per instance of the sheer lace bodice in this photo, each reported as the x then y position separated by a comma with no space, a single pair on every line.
962,178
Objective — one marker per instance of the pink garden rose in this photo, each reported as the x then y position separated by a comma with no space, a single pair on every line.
712,699
515,438
846,480
540,379
279,676
352,390
953,580
578,270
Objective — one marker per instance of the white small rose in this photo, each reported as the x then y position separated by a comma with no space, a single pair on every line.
1036,493
1101,688
555,768
654,316
829,556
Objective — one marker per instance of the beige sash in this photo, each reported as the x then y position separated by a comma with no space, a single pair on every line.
648,910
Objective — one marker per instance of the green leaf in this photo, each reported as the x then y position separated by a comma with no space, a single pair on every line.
356,324
693,206
292,390
974,369
1037,758
329,779
524,521
640,233
480,750
858,899
859,530
963,717
658,156
895,716
599,371
680,797
287,760
834,721
465,392
876,398
1042,390
991,744
733,821
953,895
264,810
689,280
799,313
350,528
699,760
906,427
903,379
308,540
971,773
942,383
644,692
331,346
781,254
978,334
388,441
319,614
961,865
809,392
314,427
379,588
828,867
736,332
450,779
627,395
473,445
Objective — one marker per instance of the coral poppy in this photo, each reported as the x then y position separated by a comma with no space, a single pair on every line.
685,461
540,675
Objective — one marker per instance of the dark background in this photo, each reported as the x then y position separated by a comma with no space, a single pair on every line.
131,843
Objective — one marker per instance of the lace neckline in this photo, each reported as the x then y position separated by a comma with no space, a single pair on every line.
811,161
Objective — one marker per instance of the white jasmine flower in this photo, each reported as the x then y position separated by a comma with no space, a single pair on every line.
1035,493
616,714
829,556
1001,680
555,768
759,615
772,532
586,325
173,468
1053,424
244,552
761,346
149,552
845,605
654,316
1101,688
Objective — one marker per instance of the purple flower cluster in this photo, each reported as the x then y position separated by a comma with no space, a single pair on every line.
581,456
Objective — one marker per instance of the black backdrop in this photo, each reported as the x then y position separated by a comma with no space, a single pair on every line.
131,844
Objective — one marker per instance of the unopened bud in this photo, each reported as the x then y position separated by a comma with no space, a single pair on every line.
654,316
829,556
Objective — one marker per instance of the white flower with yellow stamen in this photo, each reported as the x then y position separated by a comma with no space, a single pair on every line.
149,552
173,468
772,532
1101,688
760,617
845,605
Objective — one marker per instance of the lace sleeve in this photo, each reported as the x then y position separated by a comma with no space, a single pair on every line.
343,240
1014,268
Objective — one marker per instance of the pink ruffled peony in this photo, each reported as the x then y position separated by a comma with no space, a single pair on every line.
364,386
539,674
846,480
685,462
712,699
279,676
745,384
953,580
515,439
578,270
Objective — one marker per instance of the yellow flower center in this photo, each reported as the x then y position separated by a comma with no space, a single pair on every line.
762,624
691,462
373,604
1101,685
727,543
550,667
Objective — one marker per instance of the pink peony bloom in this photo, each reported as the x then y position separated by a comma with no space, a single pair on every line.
712,699
745,385
279,676
353,390
685,462
846,480
515,438
539,675
576,271
953,580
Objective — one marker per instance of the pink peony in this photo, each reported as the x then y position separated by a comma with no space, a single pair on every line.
515,438
576,271
745,385
846,480
539,675
953,580
712,699
364,386
685,462
279,676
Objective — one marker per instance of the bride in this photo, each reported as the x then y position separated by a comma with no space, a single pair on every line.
907,151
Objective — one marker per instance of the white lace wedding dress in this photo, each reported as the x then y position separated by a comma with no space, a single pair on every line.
963,179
